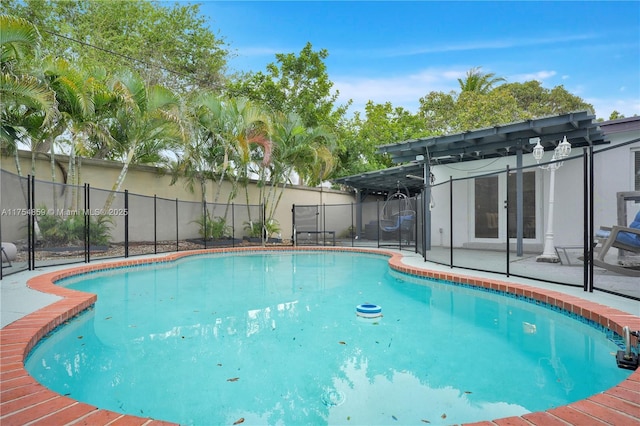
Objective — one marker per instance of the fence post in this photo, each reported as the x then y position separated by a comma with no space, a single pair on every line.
378,221
155,224
87,224
177,235
587,206
204,220
399,225
324,224
233,225
33,222
352,230
591,213
507,222
30,229
126,223
450,221
293,225
263,213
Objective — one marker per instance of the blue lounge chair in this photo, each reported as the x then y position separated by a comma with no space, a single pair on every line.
625,238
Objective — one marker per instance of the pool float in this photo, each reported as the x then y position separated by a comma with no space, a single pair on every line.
369,310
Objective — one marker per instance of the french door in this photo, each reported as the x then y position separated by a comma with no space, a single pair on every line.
490,212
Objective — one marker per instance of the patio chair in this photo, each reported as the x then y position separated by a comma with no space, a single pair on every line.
403,222
625,238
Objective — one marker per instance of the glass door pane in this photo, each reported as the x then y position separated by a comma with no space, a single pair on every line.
486,211
528,205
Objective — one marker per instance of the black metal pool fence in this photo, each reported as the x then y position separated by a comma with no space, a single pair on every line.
55,224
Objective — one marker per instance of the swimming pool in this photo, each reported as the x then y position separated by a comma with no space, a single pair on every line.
279,342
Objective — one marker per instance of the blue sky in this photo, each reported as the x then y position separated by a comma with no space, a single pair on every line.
399,51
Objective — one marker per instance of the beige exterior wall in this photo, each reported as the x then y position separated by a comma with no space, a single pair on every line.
147,181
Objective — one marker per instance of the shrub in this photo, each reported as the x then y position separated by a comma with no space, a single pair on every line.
212,228
69,230
255,228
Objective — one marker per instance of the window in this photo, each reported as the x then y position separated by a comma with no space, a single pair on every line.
486,211
636,170
528,205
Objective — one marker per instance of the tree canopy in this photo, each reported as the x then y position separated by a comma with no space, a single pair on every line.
471,109
296,84
171,50
171,46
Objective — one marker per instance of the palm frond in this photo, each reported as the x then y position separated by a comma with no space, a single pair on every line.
29,91
17,38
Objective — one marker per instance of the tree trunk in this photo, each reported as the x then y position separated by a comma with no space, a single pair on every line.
33,163
17,159
118,184
79,200
53,177
71,176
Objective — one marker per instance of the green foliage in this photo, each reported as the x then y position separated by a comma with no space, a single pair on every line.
28,104
478,81
382,124
349,232
439,112
272,124
533,100
69,230
446,113
615,115
212,228
172,37
477,110
254,228
272,227
298,84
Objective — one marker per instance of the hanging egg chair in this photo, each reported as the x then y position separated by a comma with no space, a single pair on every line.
398,214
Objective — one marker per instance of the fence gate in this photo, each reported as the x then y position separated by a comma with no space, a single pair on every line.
308,226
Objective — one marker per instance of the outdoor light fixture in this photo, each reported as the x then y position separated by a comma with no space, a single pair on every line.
561,152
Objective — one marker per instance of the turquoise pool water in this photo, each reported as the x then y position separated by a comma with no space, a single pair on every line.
273,338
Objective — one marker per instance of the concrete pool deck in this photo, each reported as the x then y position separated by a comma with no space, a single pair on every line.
28,314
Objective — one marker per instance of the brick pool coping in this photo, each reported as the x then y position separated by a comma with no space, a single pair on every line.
24,401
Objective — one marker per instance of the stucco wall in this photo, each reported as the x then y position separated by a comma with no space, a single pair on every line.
148,181
613,169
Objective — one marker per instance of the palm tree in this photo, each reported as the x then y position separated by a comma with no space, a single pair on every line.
205,155
27,102
244,125
477,81
83,97
297,149
146,121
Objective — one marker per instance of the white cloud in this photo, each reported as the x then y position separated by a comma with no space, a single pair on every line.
399,51
605,106
400,90
538,76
